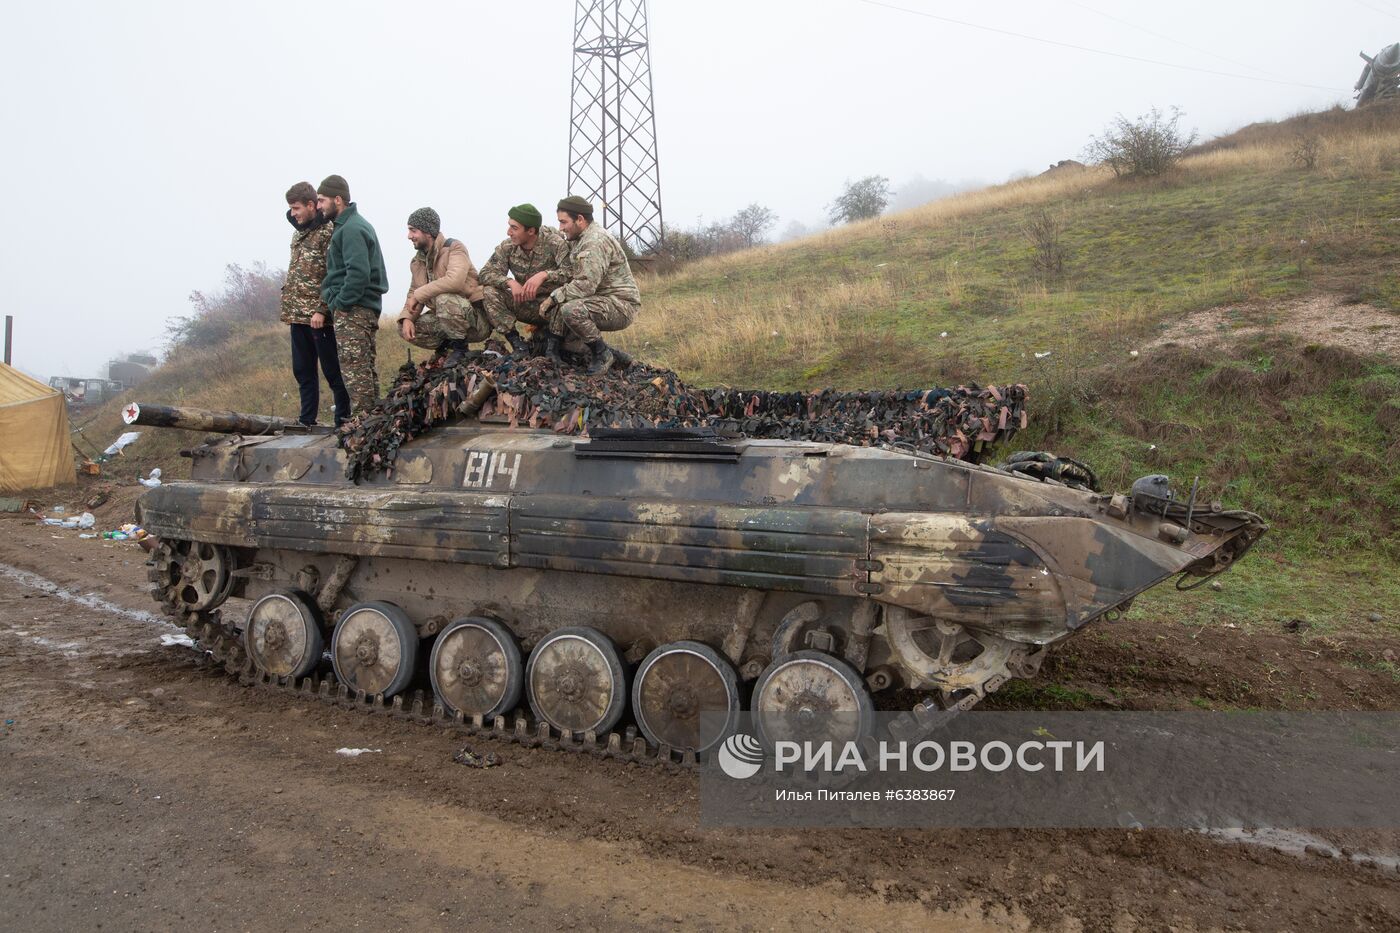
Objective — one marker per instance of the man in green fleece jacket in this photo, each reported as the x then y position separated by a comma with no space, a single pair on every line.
352,289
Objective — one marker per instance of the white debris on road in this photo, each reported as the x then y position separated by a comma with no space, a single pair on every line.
182,639
357,752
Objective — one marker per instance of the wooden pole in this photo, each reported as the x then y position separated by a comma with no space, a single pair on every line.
9,336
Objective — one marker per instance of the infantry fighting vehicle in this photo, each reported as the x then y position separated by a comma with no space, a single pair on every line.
571,586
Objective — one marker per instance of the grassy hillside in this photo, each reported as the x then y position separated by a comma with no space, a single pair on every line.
867,303
1270,415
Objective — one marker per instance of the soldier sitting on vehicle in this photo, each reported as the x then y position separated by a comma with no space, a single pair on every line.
601,294
443,310
529,264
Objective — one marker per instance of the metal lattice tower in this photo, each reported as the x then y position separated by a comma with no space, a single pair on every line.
612,126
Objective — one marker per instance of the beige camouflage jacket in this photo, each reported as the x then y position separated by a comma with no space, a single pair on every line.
301,293
598,266
550,255
446,269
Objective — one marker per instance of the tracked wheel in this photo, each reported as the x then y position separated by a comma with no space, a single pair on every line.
686,695
575,681
283,634
811,696
192,576
374,648
964,664
476,668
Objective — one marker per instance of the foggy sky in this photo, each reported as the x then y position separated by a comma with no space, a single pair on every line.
148,144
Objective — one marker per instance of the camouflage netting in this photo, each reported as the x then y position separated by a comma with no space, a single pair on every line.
533,392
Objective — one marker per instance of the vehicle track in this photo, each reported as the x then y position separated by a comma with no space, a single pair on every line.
495,845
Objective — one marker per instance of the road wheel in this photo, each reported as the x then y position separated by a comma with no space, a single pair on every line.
283,634
476,669
374,648
811,696
675,685
575,681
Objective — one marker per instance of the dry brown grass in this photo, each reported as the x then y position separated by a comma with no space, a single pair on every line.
714,319
1350,144
740,329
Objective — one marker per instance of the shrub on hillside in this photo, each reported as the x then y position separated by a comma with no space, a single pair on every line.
1045,231
860,200
1305,150
1144,147
252,295
744,230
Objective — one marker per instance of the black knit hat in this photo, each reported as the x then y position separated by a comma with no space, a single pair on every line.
427,220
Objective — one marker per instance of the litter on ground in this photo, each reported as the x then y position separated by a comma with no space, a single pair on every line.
126,440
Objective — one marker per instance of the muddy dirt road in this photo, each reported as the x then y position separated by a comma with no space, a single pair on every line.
138,790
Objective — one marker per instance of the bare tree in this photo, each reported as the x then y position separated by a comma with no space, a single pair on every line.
861,200
751,223
795,230
249,295
1141,148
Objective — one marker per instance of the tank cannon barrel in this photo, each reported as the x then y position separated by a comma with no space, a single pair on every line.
202,419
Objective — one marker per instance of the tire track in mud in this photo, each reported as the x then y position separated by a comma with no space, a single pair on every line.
88,600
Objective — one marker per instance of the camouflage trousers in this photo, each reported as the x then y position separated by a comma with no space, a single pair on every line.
355,331
503,311
450,317
583,318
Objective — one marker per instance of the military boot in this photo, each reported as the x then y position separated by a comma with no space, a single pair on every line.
517,343
602,358
454,351
551,349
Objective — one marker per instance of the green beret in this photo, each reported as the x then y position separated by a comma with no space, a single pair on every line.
527,215
427,220
576,205
335,186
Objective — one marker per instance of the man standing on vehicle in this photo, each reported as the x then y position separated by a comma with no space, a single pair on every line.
600,294
527,265
352,289
443,309
313,331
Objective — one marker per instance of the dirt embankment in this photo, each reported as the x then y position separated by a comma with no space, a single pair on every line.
1327,320
142,791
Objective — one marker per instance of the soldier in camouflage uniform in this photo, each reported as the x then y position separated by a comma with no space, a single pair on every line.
312,330
443,310
353,289
529,264
600,294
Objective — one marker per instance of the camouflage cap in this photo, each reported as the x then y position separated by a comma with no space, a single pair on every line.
335,186
527,215
576,205
427,220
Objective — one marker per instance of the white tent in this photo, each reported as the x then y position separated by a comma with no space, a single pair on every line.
35,449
